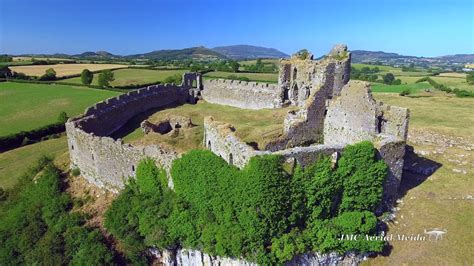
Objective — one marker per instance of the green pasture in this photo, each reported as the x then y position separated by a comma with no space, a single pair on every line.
15,162
129,76
25,106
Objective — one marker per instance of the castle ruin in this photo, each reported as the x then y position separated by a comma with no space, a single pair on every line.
332,113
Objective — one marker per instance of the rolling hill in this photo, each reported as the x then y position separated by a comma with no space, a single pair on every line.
249,52
195,53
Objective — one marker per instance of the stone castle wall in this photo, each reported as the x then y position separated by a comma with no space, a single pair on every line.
106,162
242,94
352,116
355,116
324,80
220,139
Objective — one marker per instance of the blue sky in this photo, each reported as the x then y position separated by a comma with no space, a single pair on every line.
410,27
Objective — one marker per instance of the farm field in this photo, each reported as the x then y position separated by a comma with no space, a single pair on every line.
63,69
265,77
451,79
414,88
15,162
129,76
444,199
25,106
251,125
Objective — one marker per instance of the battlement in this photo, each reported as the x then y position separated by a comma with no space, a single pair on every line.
136,95
107,162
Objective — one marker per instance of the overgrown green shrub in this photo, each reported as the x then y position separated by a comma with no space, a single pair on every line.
405,92
260,213
37,227
76,171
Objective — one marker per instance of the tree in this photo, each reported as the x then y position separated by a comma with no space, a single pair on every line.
388,78
234,65
86,77
5,72
470,78
175,79
105,78
62,117
50,74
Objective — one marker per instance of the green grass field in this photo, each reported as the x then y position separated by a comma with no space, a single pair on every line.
254,61
441,127
129,76
414,88
26,106
15,162
263,77
453,80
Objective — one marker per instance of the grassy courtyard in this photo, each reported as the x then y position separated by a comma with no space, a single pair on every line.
26,106
251,125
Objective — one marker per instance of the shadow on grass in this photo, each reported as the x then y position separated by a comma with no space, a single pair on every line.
135,122
415,171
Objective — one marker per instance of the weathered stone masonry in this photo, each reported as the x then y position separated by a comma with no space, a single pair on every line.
332,113
242,94
104,161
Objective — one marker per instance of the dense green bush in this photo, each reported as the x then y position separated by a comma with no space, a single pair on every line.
86,77
405,92
50,74
37,227
105,77
176,79
16,140
442,87
261,212
470,78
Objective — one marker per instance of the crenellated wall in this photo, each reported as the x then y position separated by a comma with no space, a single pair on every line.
106,162
242,94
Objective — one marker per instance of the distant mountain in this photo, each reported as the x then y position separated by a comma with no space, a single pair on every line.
195,53
249,52
460,58
98,54
361,56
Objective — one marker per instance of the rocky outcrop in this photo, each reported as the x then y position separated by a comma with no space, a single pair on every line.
197,258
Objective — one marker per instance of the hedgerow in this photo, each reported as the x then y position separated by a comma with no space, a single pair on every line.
260,213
